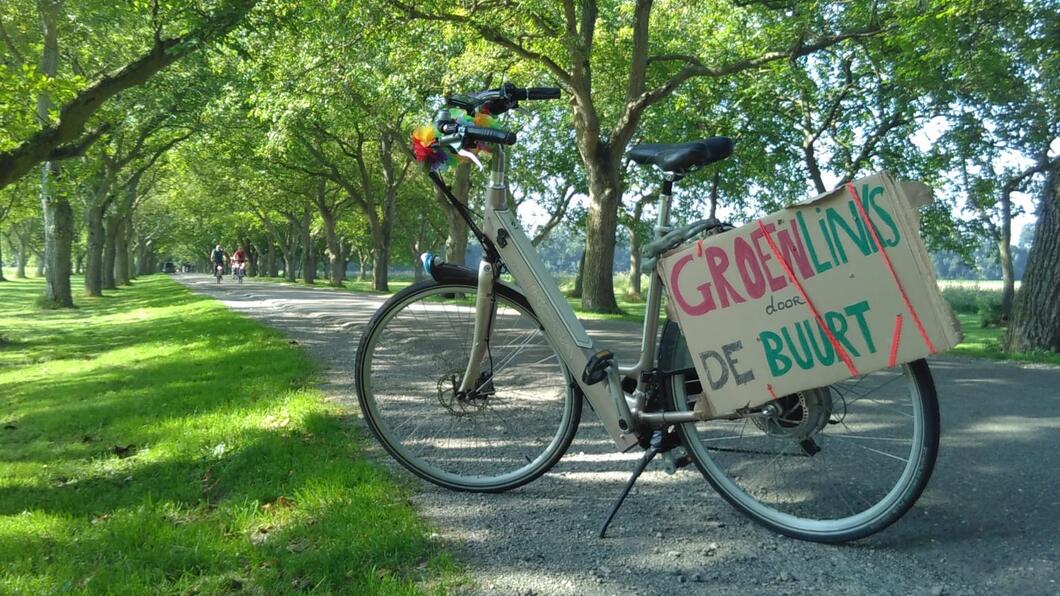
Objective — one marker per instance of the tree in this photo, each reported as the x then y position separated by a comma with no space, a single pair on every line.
1035,322
655,61
66,137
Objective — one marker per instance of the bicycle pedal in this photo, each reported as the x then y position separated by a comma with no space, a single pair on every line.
596,368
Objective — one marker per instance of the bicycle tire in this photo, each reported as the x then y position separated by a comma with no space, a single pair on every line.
533,441
725,467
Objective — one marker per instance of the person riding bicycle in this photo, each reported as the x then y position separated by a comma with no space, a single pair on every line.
217,257
239,260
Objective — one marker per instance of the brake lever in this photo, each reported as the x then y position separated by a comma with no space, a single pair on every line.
471,156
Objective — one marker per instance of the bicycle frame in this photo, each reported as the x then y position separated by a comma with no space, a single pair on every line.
621,416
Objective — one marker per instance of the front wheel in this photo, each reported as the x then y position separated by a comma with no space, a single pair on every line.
837,463
510,429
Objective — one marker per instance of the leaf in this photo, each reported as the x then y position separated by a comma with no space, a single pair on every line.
124,452
260,535
281,502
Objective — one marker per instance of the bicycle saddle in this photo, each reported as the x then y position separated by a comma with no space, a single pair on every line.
680,157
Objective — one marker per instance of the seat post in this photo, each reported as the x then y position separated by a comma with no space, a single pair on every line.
662,223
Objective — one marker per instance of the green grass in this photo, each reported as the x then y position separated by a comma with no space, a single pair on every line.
154,442
986,342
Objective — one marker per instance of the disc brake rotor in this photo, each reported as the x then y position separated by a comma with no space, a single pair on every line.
458,404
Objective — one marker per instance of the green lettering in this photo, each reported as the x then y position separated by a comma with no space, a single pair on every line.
885,217
825,352
858,311
817,265
838,324
779,364
821,223
859,238
804,363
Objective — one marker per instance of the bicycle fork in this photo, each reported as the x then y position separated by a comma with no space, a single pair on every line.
485,313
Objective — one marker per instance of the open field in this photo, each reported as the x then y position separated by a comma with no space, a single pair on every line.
155,442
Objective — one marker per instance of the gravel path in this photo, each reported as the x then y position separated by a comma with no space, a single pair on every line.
987,524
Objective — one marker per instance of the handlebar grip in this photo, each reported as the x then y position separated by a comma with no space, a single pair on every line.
489,135
542,93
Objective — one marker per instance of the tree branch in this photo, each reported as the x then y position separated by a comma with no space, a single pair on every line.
18,59
75,114
489,34
78,148
696,68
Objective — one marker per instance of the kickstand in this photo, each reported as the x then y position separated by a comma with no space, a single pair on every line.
649,454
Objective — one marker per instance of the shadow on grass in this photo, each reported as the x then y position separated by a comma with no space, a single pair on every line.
154,441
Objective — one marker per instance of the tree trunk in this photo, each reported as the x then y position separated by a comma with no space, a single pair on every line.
142,256
309,254
288,265
58,240
110,239
2,278
271,268
252,259
123,273
344,259
94,251
813,166
22,257
634,261
58,215
605,194
334,251
1004,247
579,278
1035,321
381,262
456,239
362,265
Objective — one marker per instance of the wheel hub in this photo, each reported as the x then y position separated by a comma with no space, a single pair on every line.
468,403
800,415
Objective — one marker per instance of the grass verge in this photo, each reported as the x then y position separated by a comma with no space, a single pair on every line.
986,342
153,441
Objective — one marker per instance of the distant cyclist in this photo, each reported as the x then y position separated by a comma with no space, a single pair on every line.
239,263
217,257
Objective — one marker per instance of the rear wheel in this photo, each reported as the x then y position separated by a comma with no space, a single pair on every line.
512,428
835,463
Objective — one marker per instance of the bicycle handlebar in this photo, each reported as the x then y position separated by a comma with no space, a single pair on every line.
489,135
533,93
497,101
493,102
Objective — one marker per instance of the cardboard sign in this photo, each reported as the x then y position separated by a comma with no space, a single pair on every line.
805,297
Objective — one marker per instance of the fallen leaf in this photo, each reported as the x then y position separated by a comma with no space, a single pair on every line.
125,451
260,535
98,519
280,502
297,546
87,439
271,422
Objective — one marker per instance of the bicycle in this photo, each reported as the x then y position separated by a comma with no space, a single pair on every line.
239,272
467,381
218,271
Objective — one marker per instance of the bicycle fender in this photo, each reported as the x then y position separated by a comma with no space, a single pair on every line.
449,273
